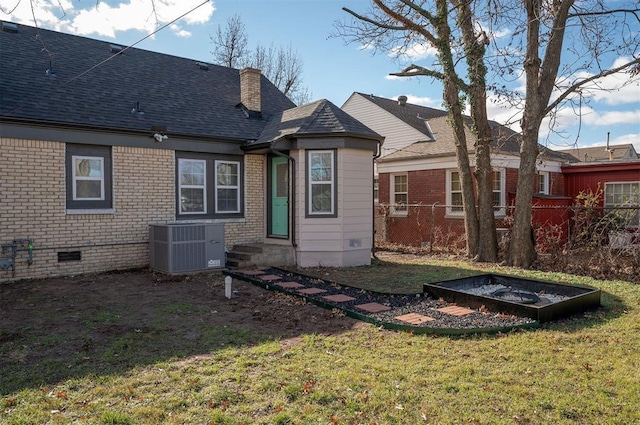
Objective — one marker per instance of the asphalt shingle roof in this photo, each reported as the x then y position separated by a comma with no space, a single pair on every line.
600,153
317,118
440,137
93,88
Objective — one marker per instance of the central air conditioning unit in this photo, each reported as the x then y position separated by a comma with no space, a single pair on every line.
189,247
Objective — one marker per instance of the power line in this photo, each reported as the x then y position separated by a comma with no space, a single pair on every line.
113,56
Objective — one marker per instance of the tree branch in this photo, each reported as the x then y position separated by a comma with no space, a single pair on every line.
372,22
417,71
575,87
633,12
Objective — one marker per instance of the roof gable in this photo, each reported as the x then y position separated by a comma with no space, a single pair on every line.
439,140
314,119
89,86
602,153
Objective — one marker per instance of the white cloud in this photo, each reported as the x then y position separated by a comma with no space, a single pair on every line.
414,52
107,19
177,30
609,118
423,101
614,89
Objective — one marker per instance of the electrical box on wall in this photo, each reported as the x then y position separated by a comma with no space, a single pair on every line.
189,247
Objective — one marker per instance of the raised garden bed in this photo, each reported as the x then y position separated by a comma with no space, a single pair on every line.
538,300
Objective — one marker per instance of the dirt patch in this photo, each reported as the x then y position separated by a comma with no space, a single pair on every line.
102,322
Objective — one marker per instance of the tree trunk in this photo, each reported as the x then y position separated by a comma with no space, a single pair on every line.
488,241
522,251
487,249
452,98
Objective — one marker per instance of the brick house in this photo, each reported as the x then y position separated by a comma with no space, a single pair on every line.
417,173
99,141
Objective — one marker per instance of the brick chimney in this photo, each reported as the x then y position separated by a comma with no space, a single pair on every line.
250,89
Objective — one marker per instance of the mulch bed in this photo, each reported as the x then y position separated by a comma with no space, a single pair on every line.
413,312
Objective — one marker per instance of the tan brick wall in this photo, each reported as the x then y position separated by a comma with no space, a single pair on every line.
32,189
252,229
32,205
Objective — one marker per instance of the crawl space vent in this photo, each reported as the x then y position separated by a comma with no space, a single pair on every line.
64,257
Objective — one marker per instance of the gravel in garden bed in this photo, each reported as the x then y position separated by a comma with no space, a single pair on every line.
400,304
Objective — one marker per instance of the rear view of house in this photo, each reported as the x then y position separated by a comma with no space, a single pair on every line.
98,142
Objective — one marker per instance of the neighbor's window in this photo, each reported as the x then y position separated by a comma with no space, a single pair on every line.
399,193
192,187
88,176
227,186
626,195
321,183
376,190
498,193
208,186
543,182
454,193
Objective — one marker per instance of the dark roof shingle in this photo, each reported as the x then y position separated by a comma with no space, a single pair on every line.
92,87
317,118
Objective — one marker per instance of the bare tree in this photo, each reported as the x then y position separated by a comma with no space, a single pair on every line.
450,27
282,66
567,49
230,44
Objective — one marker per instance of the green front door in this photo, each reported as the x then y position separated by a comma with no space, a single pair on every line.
279,202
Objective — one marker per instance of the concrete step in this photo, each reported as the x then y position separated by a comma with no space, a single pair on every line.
260,255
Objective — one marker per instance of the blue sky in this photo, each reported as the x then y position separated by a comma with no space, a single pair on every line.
332,69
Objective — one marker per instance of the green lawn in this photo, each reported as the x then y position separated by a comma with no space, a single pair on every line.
583,370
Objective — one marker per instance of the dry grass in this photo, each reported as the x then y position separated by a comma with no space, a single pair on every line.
583,370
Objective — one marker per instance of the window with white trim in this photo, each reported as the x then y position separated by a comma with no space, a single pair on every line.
376,190
227,187
543,182
88,174
192,189
498,192
624,199
321,183
208,186
399,193
454,193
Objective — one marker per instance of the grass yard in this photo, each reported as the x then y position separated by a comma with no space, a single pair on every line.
142,348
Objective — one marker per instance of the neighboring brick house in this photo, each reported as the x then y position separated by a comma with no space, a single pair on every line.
98,142
418,169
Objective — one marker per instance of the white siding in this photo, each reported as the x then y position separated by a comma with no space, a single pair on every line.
397,133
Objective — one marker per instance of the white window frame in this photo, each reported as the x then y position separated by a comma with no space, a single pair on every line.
449,198
395,210
376,190
235,187
498,212
501,210
331,182
634,191
543,182
77,178
203,186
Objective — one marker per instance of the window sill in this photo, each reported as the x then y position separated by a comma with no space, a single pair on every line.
91,211
211,220
450,215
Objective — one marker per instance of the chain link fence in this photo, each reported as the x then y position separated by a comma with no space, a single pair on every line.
607,237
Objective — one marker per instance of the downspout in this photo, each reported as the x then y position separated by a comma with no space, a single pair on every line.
292,207
373,201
